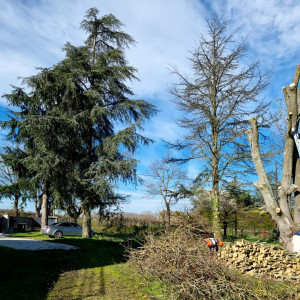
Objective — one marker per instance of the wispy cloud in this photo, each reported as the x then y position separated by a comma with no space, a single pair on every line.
32,34
271,25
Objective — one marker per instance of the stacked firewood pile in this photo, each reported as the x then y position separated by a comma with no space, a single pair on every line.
259,258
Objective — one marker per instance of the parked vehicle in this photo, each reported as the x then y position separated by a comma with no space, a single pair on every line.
58,230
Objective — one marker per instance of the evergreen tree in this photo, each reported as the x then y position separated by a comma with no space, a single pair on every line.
17,182
78,122
235,191
37,132
13,184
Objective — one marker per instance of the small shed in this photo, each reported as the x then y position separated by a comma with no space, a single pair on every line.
23,224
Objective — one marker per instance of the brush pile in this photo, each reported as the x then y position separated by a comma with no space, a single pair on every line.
180,259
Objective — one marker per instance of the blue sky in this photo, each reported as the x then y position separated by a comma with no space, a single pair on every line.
33,32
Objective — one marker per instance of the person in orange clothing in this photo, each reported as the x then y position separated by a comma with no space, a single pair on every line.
213,243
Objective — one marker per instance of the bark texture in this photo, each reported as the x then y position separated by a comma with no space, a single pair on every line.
16,206
44,218
281,211
38,206
87,222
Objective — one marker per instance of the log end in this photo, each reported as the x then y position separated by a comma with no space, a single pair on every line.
256,184
292,85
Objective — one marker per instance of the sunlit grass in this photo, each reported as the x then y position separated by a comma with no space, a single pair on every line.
34,235
97,270
117,281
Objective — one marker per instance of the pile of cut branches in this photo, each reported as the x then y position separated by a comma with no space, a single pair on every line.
180,259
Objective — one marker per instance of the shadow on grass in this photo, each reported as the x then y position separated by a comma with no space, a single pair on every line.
30,274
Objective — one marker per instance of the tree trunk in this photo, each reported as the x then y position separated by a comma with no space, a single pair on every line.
215,173
87,222
235,223
280,214
297,195
168,215
37,204
216,215
45,198
215,151
281,211
16,206
75,212
216,199
225,224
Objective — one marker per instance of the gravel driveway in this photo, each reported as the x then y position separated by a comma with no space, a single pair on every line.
27,244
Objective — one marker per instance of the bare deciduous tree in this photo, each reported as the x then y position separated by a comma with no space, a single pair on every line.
9,185
168,179
286,216
218,99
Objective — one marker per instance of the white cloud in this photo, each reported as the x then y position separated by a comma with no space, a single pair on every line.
33,33
162,128
271,26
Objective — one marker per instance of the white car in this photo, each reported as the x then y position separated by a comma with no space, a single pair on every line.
58,230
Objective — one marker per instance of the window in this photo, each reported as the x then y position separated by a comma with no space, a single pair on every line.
65,224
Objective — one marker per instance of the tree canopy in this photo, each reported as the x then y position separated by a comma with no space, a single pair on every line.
218,98
76,121
166,182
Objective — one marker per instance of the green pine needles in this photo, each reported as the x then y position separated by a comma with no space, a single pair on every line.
77,123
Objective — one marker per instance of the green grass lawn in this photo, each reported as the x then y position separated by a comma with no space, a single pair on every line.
96,271
118,281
